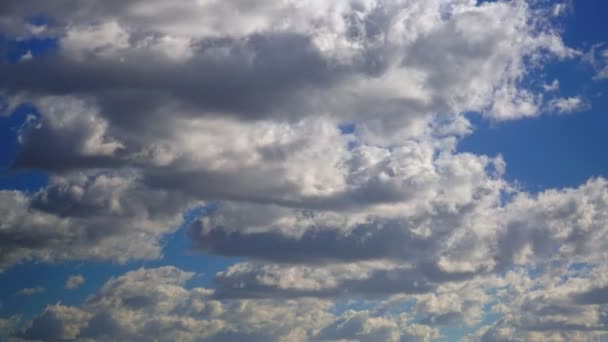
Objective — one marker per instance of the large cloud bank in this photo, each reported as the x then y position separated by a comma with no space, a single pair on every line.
327,131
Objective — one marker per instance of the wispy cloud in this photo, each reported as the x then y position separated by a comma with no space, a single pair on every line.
30,291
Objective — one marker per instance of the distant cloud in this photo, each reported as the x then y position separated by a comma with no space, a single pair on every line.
30,291
74,281
553,86
148,304
569,105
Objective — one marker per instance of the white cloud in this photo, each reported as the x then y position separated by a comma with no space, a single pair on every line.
568,105
553,86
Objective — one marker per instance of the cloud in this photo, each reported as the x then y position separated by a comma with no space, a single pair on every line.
382,57
557,225
561,9
570,222
552,308
569,105
154,303
56,323
599,61
30,291
361,327
247,280
146,110
450,190
74,281
553,86
8,325
87,216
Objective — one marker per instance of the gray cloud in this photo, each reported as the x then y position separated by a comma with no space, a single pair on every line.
87,216
390,239
251,78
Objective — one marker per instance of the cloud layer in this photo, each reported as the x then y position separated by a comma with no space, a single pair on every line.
327,133
154,304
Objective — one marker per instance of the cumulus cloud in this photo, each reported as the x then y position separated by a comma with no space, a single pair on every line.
561,310
348,58
154,303
87,216
148,303
145,110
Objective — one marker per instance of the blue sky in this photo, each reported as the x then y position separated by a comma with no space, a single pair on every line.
205,170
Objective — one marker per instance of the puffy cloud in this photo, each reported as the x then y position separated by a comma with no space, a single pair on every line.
561,302
407,196
453,276
155,303
74,281
78,134
400,62
87,216
56,323
566,225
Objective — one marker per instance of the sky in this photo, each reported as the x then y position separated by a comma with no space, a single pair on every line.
291,171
